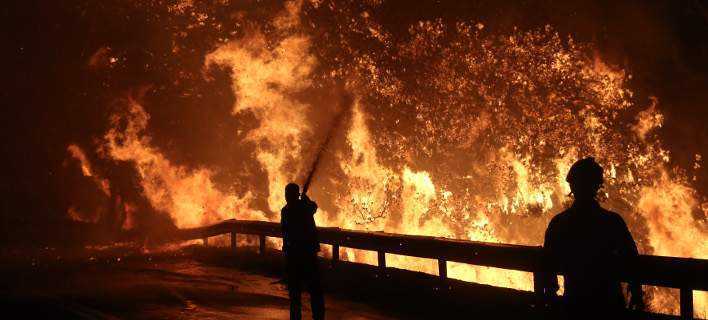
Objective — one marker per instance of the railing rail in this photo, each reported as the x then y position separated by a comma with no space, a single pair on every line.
686,274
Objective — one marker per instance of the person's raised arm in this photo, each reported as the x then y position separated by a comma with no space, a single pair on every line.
309,204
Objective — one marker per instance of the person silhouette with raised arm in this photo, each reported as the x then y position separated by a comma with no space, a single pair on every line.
591,247
300,245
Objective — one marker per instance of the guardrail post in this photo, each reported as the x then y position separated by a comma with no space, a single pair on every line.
442,269
382,260
335,254
262,243
205,241
686,302
542,299
233,240
537,283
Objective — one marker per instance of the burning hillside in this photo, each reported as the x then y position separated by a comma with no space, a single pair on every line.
456,128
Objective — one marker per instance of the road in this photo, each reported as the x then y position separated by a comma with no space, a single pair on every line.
217,283
168,286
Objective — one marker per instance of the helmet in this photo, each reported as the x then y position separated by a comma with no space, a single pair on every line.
585,172
292,192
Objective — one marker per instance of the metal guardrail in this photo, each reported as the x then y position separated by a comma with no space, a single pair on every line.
685,274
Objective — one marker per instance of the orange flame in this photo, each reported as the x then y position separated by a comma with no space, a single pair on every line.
189,196
477,146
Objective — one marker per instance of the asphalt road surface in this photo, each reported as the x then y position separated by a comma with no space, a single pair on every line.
164,286
217,283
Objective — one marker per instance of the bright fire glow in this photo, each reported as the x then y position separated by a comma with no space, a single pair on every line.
454,132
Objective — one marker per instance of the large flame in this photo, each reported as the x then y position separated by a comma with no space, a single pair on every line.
453,132
261,81
188,195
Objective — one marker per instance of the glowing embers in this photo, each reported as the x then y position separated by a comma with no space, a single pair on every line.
455,132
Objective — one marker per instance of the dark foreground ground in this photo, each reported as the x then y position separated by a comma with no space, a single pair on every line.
216,283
